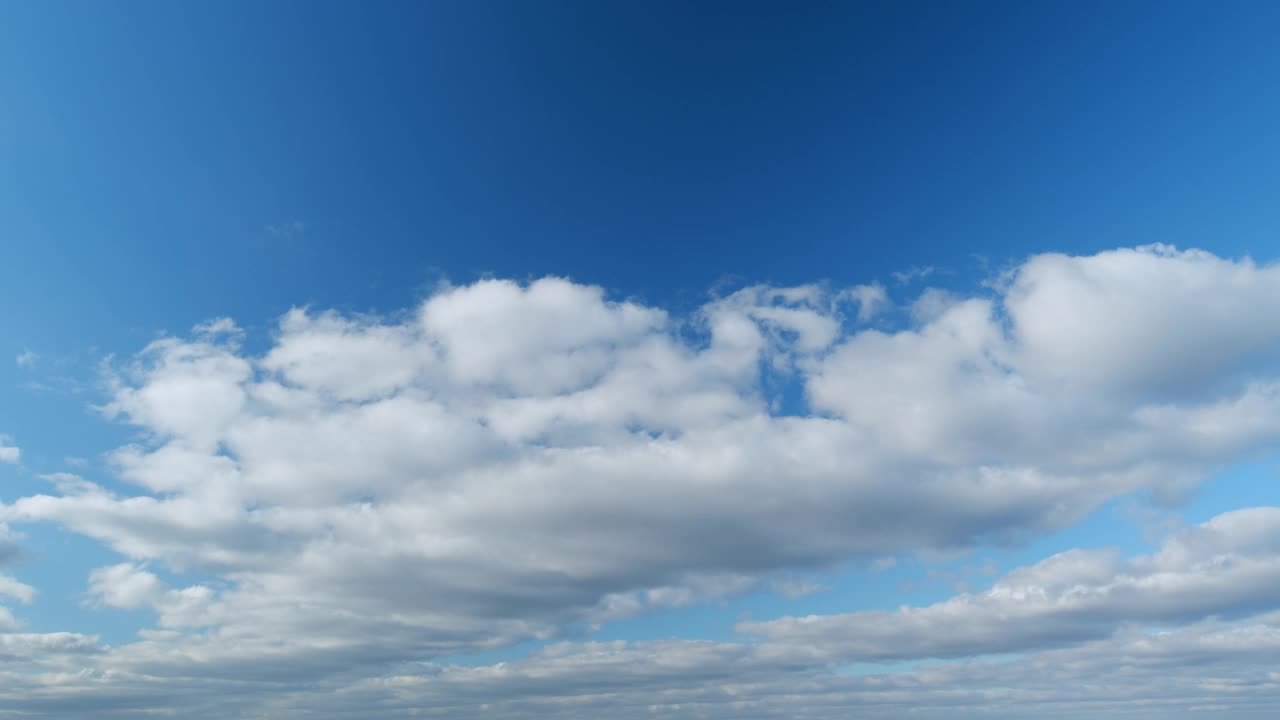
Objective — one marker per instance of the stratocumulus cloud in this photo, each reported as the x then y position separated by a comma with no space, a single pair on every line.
510,461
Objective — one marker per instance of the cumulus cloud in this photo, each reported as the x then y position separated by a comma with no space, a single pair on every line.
12,588
871,300
131,587
510,461
1151,322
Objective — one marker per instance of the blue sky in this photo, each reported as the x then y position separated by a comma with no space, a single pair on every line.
954,289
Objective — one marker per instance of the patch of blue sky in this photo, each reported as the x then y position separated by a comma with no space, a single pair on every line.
1253,483
58,562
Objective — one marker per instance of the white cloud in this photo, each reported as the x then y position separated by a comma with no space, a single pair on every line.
914,273
9,550
1151,321
1228,567
26,359
11,587
1140,674
69,483
871,300
9,453
508,461
131,587
125,586
792,588
1165,675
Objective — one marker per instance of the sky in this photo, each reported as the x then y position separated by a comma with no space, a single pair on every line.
749,361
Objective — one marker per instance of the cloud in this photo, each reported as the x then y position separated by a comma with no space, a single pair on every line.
10,552
1150,321
509,461
1165,675
287,230
131,587
1228,567
10,587
69,483
26,359
21,592
914,273
871,300
797,588
1178,673
9,453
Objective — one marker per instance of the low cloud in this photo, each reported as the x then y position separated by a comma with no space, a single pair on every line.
1227,568
508,462
797,588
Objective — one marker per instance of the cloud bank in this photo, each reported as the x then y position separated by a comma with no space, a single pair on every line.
512,461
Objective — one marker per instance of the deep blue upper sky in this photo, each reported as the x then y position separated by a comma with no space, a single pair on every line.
163,163
653,148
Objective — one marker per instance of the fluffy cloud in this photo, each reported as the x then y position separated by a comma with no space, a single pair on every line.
131,587
1151,322
509,461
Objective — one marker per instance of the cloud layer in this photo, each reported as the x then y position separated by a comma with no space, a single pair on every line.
1227,568
1083,619
510,461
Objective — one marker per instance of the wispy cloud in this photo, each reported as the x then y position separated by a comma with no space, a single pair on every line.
797,588
913,274
287,230
9,453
